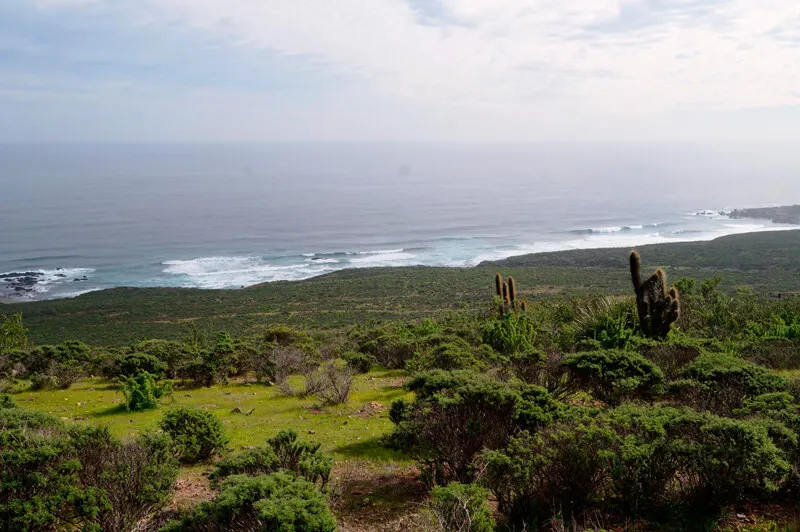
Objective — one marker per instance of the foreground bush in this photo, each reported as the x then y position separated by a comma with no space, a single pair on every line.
615,375
197,435
638,459
283,453
458,414
277,502
54,478
461,508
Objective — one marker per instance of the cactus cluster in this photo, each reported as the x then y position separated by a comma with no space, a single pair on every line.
507,291
658,308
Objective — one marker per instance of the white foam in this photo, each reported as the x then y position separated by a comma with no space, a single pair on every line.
234,272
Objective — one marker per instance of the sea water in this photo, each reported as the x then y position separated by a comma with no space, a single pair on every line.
76,218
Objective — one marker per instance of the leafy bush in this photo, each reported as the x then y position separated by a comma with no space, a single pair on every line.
360,362
513,333
136,363
603,323
461,508
60,375
641,459
283,453
197,435
451,354
174,354
457,414
720,383
78,478
143,393
134,478
268,502
214,365
616,375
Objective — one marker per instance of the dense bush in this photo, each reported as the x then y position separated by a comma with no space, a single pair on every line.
615,375
136,363
197,435
277,502
282,453
546,371
457,414
142,392
360,362
214,365
720,383
13,334
451,354
638,459
79,478
174,355
461,508
513,333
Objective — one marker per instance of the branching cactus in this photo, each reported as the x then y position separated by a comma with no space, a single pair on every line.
658,308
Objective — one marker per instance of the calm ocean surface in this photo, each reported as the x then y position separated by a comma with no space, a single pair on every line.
233,215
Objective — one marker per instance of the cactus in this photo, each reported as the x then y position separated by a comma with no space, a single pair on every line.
658,308
512,292
507,292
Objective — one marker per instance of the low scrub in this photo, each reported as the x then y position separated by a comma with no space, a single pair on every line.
283,453
461,508
267,502
614,376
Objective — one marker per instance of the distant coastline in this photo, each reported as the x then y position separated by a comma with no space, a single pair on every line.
788,214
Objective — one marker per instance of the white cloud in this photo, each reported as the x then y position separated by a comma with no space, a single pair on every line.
553,63
505,54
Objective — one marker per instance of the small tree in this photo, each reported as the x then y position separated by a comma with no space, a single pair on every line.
143,393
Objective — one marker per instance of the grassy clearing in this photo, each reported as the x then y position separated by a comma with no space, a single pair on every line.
350,431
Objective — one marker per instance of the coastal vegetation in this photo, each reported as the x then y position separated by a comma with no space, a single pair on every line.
494,398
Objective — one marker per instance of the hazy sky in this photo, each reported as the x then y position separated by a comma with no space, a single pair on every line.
451,70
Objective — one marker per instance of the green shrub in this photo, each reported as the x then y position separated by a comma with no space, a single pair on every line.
461,507
197,435
616,375
640,459
360,362
7,401
137,363
143,393
54,478
174,354
513,333
451,355
277,502
457,414
283,453
134,478
720,383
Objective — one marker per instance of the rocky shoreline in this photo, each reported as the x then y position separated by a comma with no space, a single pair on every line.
20,284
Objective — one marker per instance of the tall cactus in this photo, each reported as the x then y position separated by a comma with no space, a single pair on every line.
507,292
512,292
658,308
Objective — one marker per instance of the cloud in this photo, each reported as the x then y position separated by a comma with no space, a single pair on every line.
559,63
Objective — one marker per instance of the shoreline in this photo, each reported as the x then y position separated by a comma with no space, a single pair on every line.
526,260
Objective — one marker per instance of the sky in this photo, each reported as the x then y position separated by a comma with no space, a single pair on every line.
399,70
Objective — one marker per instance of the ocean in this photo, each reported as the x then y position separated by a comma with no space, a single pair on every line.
76,218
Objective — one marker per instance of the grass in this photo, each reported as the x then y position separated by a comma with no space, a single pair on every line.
345,431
